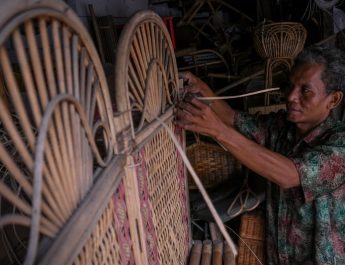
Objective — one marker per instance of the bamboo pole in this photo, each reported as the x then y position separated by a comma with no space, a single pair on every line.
206,256
229,258
195,255
214,231
217,252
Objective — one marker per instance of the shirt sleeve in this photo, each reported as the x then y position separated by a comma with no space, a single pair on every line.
258,127
322,167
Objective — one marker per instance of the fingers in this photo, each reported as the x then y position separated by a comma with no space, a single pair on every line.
192,114
186,76
186,121
191,99
189,108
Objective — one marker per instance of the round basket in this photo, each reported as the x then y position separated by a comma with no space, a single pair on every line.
279,40
212,164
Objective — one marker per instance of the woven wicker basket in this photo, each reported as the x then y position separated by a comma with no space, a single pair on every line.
279,40
211,162
252,232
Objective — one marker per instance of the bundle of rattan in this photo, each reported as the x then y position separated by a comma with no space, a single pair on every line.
279,40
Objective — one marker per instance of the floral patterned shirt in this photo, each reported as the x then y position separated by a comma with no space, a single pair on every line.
306,224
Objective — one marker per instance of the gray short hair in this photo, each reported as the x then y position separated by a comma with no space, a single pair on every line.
333,61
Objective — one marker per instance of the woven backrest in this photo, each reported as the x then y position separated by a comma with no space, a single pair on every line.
57,130
81,182
279,40
147,86
163,201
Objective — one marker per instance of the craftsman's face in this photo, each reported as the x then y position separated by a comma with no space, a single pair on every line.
307,101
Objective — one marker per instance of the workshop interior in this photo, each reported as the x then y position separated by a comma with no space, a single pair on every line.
94,169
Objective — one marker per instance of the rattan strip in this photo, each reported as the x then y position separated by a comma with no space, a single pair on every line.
166,198
146,71
103,246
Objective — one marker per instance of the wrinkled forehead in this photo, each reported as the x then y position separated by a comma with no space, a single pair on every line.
307,72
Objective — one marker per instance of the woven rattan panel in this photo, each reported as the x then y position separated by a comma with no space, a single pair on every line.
110,241
102,247
162,185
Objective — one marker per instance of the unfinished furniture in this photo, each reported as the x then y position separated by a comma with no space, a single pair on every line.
82,183
205,62
88,185
278,44
209,21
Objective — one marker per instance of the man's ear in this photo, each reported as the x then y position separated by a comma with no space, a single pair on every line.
337,97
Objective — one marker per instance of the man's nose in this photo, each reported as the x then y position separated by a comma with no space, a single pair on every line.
292,94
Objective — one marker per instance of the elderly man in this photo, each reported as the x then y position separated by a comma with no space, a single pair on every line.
300,151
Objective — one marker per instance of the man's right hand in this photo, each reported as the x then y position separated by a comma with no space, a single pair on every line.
194,85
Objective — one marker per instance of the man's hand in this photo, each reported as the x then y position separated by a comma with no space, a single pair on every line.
194,115
194,85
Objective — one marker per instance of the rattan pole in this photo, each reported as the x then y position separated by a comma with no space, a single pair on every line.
195,255
202,190
67,145
217,252
214,231
229,258
19,105
73,87
206,256
42,91
51,83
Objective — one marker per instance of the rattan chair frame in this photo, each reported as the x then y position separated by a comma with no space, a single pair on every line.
278,43
147,87
86,166
63,103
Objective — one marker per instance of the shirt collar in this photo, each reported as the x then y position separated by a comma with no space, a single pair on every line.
319,130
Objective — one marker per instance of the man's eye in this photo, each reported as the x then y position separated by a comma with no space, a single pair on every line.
305,89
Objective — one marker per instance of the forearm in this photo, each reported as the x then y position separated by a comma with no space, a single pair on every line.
270,165
223,111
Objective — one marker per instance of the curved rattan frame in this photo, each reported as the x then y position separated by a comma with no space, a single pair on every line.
53,132
147,80
79,193
137,59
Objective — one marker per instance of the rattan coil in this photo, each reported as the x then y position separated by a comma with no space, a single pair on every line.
279,40
211,162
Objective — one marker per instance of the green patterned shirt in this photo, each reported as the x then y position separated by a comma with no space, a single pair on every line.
306,224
